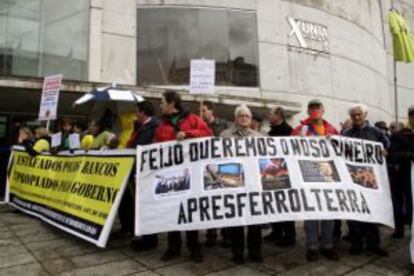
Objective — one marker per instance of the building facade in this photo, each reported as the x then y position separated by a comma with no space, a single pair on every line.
267,52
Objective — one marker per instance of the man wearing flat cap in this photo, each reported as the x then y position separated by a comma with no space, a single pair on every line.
315,125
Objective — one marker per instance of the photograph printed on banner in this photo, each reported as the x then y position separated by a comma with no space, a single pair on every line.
319,171
363,176
274,174
172,182
222,176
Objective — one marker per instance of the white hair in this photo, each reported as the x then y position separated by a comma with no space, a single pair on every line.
359,106
242,108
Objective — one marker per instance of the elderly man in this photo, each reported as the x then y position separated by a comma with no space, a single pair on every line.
315,125
241,128
360,231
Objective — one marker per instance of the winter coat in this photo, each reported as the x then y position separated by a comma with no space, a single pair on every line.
143,134
367,132
401,154
235,131
305,129
218,126
280,130
192,125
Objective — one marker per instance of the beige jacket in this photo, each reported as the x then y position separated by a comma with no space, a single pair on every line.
235,131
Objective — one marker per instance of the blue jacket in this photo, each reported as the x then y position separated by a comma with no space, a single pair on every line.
368,132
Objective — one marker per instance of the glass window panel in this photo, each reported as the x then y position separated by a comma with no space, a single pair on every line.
19,49
43,37
214,43
243,49
153,36
65,39
168,38
182,36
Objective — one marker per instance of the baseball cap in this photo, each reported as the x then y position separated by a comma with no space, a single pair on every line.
314,103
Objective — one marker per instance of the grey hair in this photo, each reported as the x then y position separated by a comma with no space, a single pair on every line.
360,106
242,108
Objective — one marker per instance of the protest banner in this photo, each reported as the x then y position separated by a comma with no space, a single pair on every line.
78,193
3,187
50,98
223,182
202,76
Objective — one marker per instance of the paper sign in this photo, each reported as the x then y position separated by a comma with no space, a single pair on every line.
202,76
50,97
74,141
56,139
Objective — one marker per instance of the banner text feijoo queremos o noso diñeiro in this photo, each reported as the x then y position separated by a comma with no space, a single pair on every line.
221,182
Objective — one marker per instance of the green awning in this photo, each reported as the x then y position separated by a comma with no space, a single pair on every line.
403,40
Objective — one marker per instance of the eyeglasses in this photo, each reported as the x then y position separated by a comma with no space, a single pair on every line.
244,115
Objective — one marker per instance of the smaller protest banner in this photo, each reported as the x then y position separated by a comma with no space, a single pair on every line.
202,76
78,193
50,98
56,140
74,141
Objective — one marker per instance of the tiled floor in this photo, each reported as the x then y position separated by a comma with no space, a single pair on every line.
30,247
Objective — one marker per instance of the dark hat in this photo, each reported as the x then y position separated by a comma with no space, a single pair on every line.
381,124
314,102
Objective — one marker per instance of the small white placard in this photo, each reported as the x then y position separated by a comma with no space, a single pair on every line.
74,141
50,98
56,139
202,76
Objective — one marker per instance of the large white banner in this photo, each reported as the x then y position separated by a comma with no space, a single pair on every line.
214,182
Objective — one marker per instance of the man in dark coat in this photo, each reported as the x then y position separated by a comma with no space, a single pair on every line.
143,134
283,233
360,231
401,155
217,125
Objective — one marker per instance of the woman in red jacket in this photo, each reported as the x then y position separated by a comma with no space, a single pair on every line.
179,124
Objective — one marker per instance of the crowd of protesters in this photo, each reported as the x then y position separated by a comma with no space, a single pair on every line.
176,123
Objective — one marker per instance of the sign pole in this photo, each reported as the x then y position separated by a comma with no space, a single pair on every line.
395,92
201,106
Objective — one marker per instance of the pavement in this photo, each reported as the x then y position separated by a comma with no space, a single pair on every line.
29,246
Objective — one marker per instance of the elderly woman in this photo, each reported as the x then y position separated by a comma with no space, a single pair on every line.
241,128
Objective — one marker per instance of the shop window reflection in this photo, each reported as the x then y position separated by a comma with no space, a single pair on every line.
168,38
